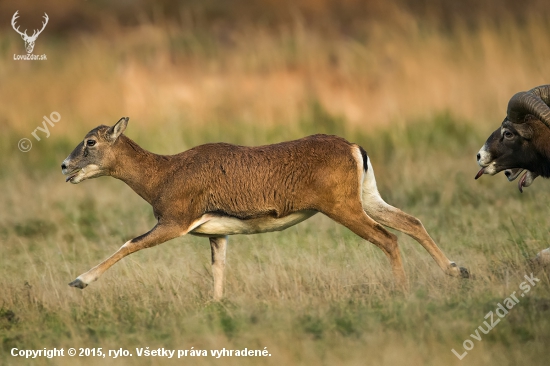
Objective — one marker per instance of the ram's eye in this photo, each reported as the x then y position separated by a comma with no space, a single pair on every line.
508,134
90,142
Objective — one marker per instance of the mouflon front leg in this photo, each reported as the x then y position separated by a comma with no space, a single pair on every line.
158,235
219,248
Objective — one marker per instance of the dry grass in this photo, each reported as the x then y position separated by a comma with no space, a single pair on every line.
269,77
418,99
312,294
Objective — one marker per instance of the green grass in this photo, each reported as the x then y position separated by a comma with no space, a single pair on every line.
420,88
313,294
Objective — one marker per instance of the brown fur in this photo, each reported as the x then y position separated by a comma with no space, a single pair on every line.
250,186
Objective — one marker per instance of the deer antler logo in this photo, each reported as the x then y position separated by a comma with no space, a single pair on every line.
29,40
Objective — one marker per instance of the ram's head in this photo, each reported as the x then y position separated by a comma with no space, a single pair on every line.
522,142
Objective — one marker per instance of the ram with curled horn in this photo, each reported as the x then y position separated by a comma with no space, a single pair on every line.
521,144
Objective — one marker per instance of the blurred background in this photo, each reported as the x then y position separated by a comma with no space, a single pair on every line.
420,84
180,67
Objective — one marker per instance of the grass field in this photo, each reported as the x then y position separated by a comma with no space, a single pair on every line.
420,101
313,294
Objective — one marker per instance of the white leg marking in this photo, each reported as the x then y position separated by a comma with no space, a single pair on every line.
93,274
126,244
218,246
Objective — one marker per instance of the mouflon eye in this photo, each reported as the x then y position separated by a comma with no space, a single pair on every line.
90,142
508,134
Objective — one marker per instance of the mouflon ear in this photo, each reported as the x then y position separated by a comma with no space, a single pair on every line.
117,129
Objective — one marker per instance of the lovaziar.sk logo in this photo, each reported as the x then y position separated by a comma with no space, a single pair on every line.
29,40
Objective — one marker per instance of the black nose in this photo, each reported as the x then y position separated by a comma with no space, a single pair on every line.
63,166
478,156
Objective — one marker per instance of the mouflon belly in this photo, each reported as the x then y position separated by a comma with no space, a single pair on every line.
219,225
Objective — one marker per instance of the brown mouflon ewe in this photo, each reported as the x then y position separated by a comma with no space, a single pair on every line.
216,190
521,143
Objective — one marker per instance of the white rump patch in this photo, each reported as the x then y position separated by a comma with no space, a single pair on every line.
373,204
370,190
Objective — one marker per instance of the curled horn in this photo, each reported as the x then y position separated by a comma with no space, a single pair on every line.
534,101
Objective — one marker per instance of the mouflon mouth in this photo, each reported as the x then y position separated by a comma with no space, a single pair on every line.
510,175
480,173
526,180
521,182
72,174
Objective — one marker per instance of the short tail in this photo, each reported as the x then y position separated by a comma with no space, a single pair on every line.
365,158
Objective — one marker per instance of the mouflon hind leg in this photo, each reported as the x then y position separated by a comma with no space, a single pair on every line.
387,215
354,218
